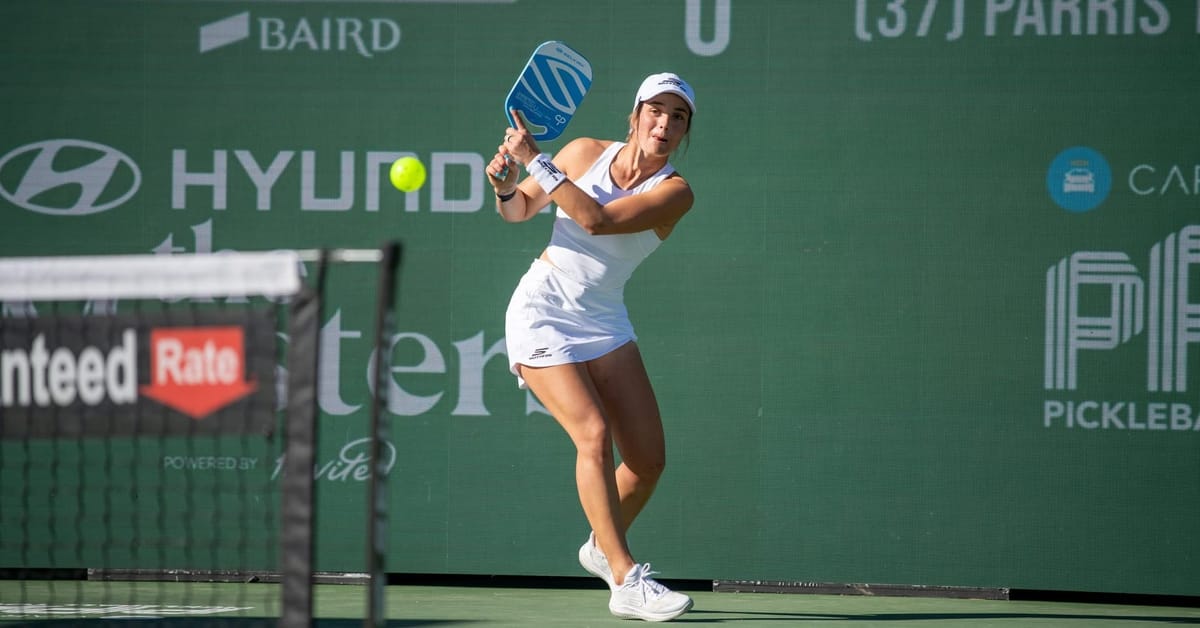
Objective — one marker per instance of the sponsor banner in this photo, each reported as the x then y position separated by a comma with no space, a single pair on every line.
366,37
1097,302
937,245
956,20
68,177
178,373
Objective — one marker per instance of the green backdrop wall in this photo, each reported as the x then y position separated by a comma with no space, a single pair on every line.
930,320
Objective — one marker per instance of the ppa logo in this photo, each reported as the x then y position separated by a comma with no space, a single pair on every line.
197,370
1079,179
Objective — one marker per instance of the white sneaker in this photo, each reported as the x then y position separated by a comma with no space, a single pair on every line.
642,597
594,562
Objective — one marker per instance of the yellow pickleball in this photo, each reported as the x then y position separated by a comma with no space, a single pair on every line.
407,174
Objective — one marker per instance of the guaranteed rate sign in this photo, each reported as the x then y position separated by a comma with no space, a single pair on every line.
65,376
197,370
45,375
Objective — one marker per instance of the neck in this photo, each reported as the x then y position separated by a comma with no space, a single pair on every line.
634,164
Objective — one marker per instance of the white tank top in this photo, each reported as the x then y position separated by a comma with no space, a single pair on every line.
602,261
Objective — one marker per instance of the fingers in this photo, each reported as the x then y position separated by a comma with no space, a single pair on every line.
518,147
500,170
496,166
519,140
518,120
515,144
514,138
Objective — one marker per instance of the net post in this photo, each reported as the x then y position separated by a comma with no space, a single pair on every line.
377,497
298,494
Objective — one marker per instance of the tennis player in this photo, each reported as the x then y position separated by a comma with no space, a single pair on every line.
568,333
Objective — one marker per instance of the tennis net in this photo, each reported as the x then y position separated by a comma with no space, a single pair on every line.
157,425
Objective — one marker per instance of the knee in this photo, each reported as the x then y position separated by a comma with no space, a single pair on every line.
647,468
593,440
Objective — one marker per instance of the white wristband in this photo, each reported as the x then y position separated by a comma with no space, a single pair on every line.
545,173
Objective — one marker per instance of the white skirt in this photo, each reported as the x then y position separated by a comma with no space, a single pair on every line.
553,319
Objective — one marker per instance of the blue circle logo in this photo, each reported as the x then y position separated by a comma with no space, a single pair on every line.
1079,179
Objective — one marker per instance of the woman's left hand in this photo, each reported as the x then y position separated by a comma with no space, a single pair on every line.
519,142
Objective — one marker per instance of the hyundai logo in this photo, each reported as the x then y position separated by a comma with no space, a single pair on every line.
67,177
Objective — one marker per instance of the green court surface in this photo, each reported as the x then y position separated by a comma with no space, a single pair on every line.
193,605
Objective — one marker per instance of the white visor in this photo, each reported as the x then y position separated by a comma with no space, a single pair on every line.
665,83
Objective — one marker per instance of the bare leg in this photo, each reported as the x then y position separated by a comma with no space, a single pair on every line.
569,394
631,408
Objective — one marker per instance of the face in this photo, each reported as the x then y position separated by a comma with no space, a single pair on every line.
660,123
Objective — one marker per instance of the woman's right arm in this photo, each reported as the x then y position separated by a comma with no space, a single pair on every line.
527,199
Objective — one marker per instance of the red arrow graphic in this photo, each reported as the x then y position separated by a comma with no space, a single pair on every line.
197,370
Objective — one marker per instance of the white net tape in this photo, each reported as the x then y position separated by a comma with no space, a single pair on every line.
230,274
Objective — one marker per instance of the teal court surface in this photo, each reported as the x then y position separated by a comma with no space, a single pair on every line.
53,604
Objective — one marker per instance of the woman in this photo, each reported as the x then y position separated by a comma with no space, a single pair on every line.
568,333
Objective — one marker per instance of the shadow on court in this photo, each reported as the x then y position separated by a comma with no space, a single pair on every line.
713,616
432,606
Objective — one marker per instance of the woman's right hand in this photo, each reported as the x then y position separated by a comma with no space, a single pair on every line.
502,172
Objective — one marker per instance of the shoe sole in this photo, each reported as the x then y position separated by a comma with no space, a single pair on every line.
634,613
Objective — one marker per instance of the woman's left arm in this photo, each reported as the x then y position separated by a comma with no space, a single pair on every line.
662,206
